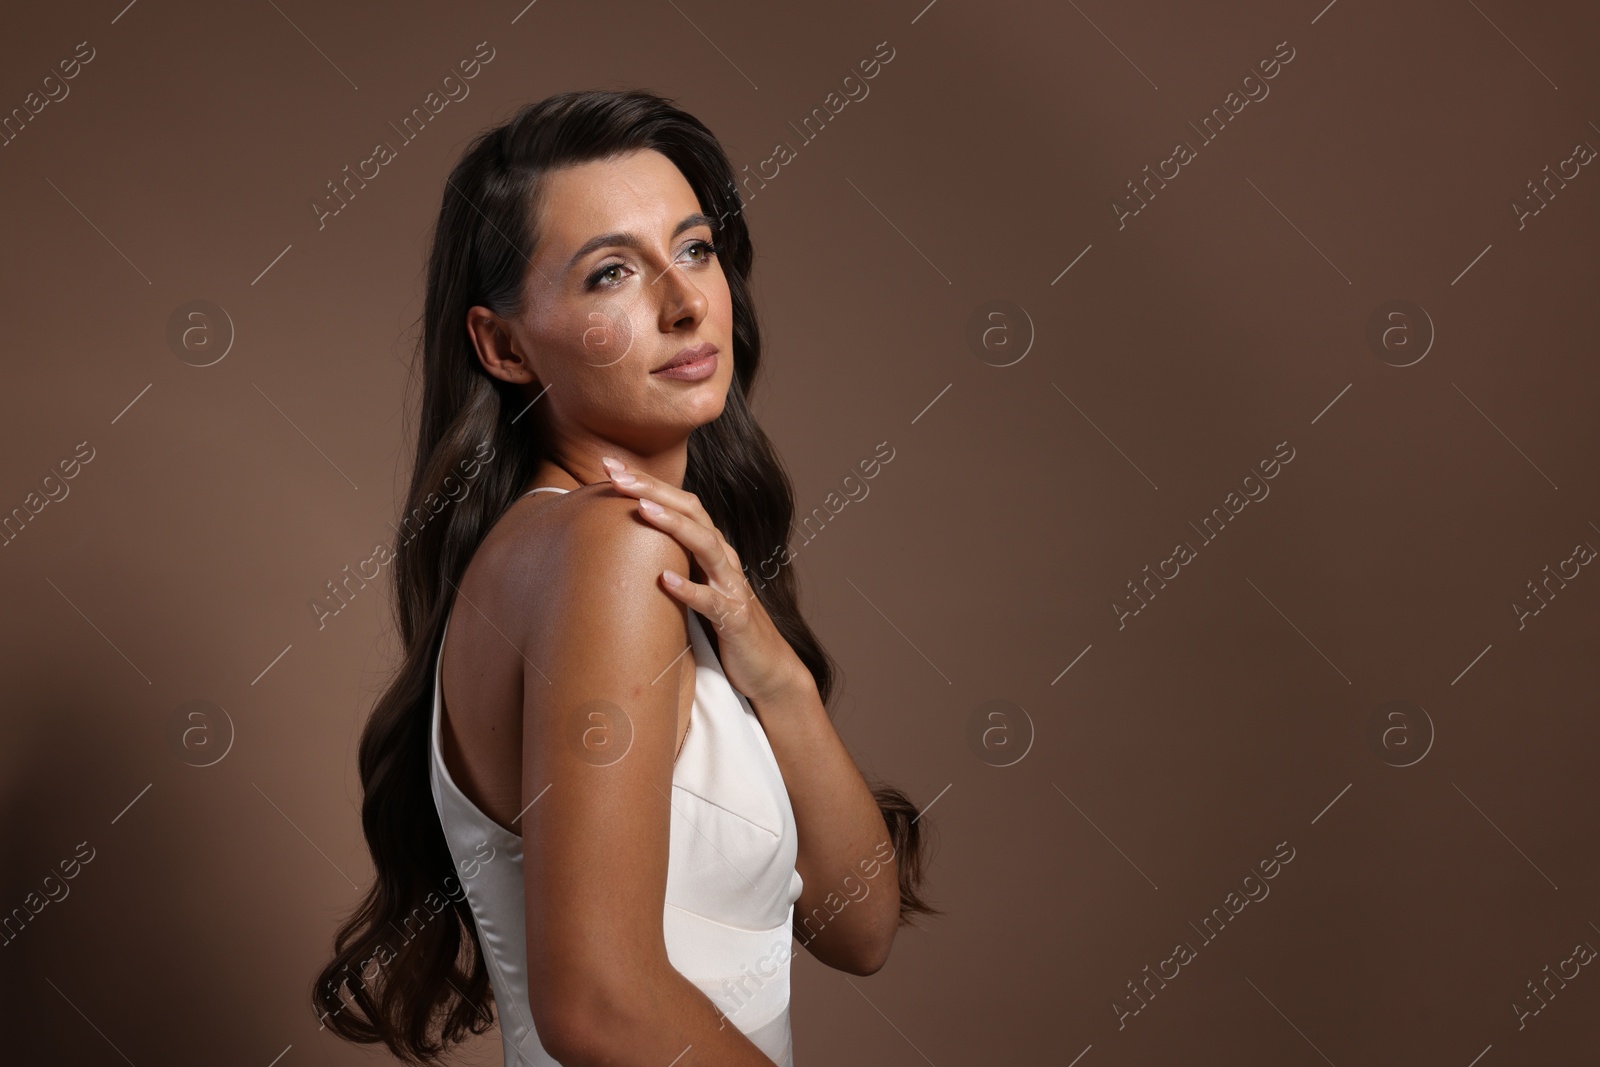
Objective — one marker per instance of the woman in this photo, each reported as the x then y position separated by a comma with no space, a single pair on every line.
606,759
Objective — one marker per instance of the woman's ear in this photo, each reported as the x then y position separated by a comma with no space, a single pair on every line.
498,350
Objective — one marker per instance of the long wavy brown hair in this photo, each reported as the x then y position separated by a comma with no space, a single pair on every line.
478,444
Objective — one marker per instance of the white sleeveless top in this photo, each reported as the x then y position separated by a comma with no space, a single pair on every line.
731,878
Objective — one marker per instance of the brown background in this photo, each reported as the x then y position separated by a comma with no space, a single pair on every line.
1176,353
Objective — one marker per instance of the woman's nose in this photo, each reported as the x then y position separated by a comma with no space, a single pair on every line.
680,296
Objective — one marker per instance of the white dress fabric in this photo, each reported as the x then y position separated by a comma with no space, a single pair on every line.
731,877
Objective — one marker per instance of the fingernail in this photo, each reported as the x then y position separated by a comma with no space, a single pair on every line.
610,464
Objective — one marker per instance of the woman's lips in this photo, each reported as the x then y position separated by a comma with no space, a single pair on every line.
693,371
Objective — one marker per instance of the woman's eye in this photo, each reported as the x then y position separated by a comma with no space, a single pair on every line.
706,248
603,275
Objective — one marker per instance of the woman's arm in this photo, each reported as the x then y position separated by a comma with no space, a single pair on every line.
852,883
603,646
843,835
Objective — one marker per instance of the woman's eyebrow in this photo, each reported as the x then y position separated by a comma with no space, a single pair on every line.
629,240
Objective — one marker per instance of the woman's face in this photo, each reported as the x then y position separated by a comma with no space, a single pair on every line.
623,279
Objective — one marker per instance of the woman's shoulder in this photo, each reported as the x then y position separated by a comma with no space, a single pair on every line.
580,575
570,541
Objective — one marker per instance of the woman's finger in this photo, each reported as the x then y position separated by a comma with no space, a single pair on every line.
707,601
703,541
643,485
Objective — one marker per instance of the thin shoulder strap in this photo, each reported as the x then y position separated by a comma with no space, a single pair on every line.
547,489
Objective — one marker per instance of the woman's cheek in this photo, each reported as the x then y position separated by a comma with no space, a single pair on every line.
602,339
608,333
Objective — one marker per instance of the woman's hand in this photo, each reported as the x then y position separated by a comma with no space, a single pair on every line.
756,658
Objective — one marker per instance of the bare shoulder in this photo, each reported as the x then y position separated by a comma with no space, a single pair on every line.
572,551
